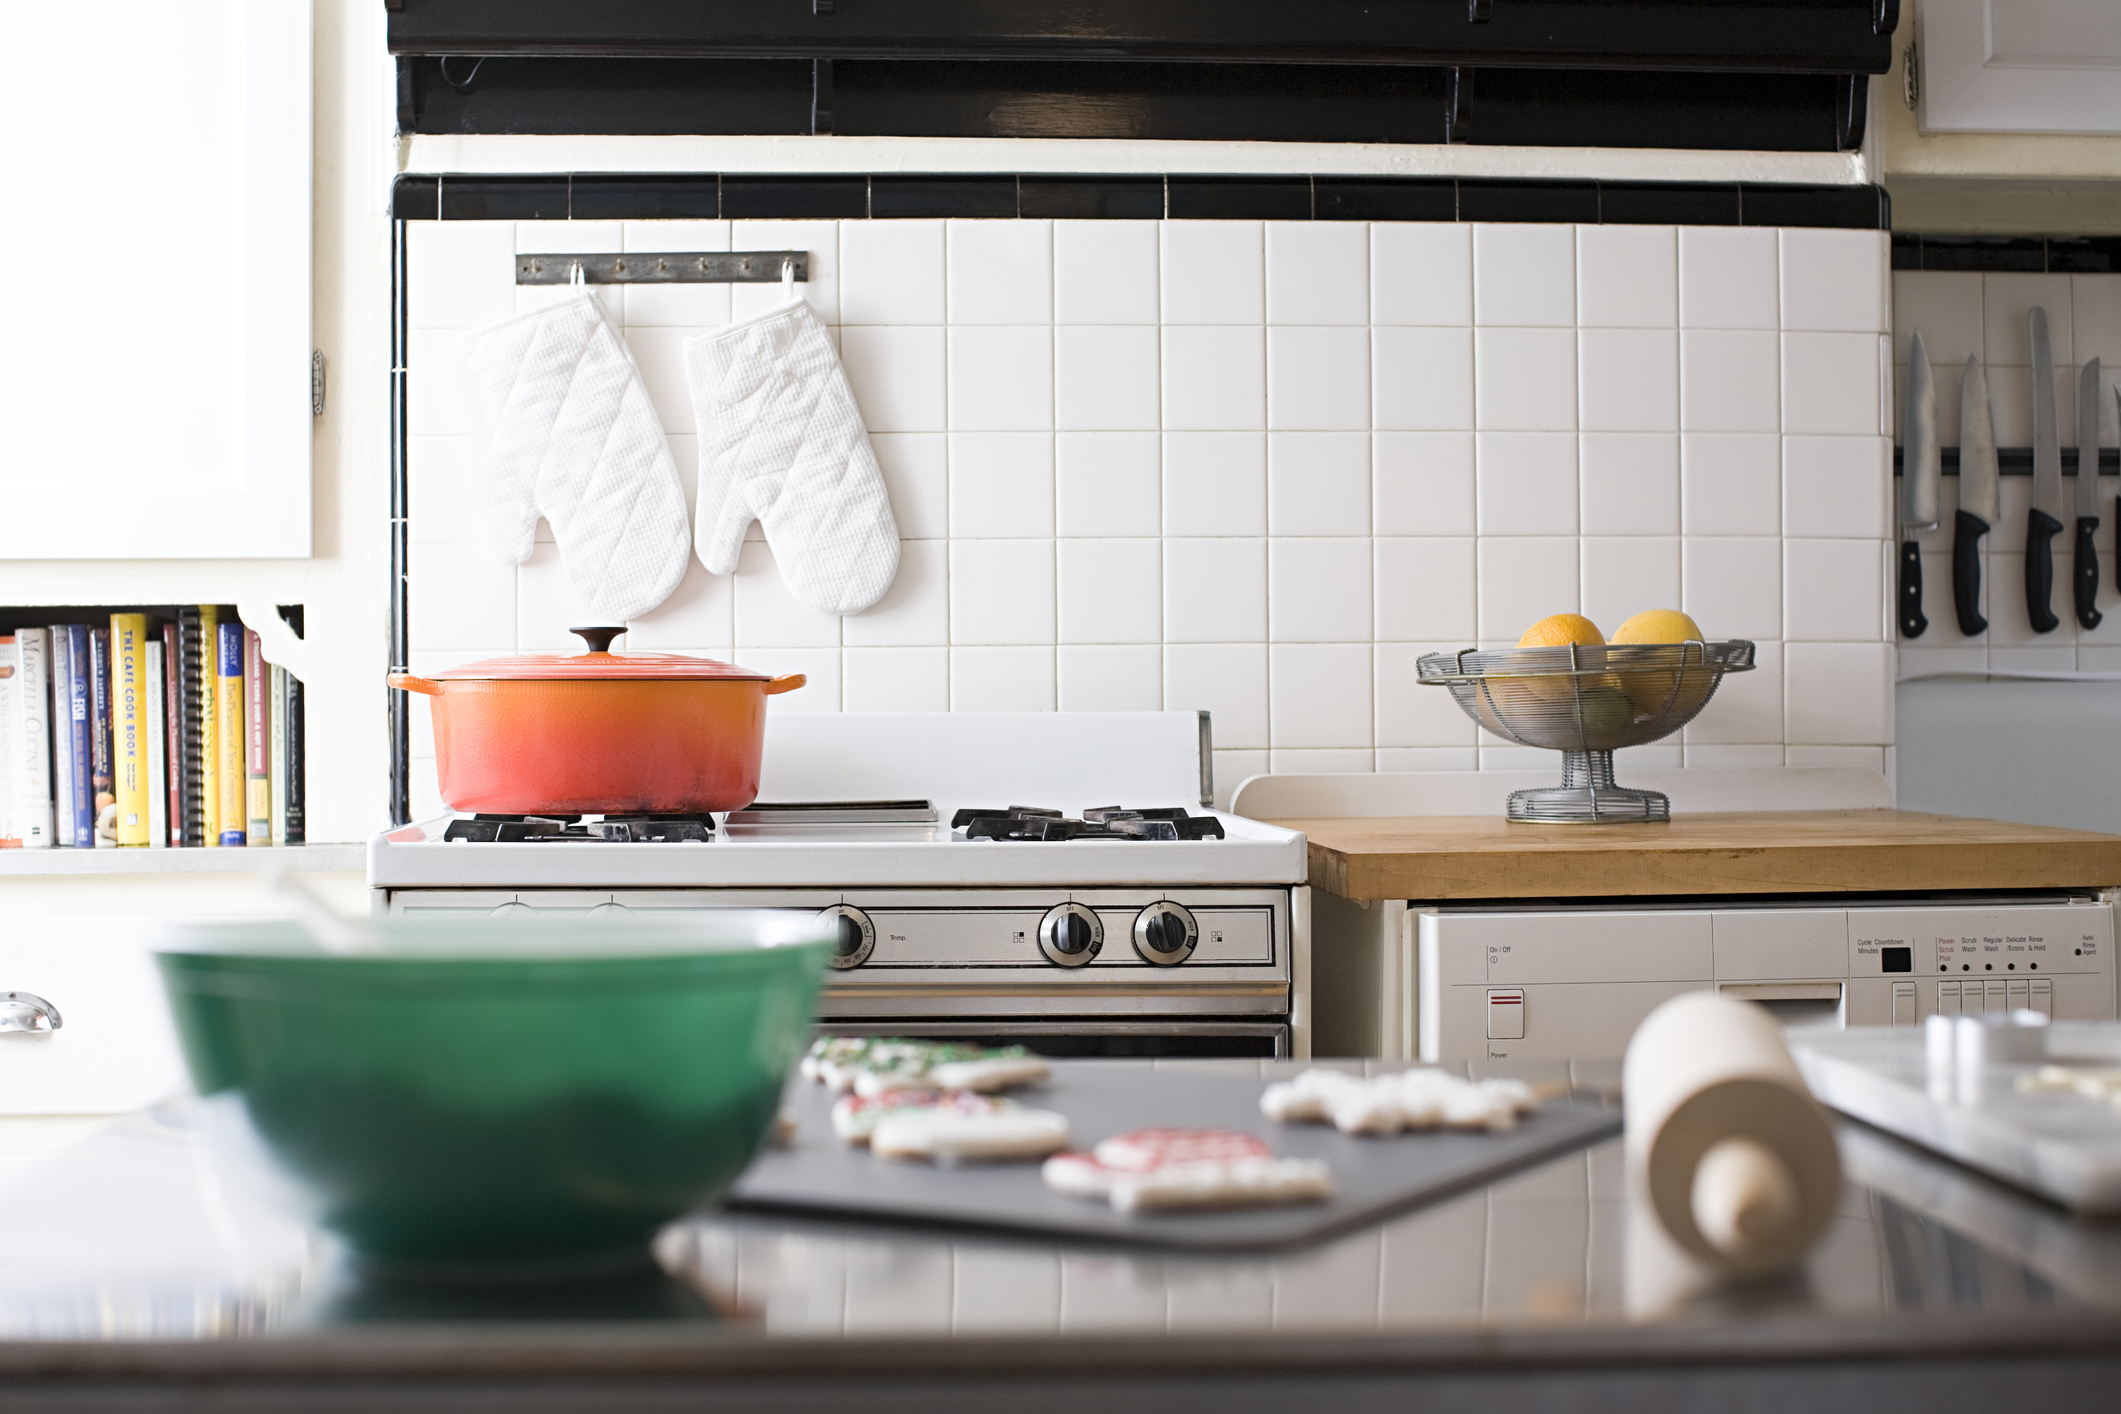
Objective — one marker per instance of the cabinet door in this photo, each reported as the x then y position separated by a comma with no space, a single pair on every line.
154,380
2020,66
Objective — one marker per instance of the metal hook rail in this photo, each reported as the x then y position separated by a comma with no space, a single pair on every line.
740,267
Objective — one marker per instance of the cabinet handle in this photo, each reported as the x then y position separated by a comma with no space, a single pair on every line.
26,1011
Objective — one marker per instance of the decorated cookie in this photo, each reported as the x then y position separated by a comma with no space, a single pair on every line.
1422,1098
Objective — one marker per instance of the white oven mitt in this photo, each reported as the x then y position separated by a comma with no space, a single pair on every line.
782,442
572,436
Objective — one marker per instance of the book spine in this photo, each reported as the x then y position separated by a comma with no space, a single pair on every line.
154,697
62,739
99,738
257,730
276,750
10,672
296,832
128,683
209,726
190,817
229,741
80,808
33,737
173,734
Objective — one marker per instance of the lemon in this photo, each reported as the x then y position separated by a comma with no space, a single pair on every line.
1683,690
1561,630
1657,626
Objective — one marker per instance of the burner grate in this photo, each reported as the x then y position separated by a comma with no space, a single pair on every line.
1109,822
611,829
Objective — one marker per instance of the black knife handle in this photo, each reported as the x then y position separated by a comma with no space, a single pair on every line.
2084,574
1967,531
1912,623
2040,531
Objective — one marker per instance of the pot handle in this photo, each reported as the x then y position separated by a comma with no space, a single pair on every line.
413,684
788,682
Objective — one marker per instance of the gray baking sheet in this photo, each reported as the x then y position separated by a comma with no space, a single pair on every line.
1373,1176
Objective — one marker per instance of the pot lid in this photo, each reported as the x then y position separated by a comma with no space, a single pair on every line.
599,663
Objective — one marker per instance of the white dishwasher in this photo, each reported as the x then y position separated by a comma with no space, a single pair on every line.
1561,982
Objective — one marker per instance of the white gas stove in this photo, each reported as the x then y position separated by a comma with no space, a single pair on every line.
1040,877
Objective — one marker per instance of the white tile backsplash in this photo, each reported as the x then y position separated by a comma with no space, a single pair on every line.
1214,272
1629,483
1318,590
1627,277
1318,483
1528,483
1318,272
1001,378
1524,275
1001,485
1524,380
1105,378
1423,483
1421,273
1002,680
1730,380
1111,591
1261,468
1000,272
1105,272
1108,483
891,272
1728,278
1318,379
1215,483
1214,378
1629,380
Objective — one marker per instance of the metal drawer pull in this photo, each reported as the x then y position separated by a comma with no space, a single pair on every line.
26,1011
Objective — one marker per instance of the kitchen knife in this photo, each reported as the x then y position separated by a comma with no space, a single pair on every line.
1977,494
2084,571
2045,518
1919,469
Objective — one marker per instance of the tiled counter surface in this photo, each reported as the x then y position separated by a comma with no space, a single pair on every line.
1933,1289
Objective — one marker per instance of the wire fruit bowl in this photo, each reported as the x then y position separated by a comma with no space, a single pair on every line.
1587,701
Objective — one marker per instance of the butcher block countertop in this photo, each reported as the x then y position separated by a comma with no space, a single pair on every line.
1780,852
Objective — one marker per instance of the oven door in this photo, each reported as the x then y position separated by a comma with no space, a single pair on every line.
1142,1037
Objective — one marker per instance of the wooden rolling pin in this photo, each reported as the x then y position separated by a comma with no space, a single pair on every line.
1737,1159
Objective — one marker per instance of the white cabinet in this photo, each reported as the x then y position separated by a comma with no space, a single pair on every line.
2020,66
154,381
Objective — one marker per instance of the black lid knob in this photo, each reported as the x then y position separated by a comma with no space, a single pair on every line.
598,639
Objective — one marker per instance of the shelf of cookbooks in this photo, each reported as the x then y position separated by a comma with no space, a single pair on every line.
127,730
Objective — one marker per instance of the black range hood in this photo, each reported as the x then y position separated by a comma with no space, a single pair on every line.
1767,74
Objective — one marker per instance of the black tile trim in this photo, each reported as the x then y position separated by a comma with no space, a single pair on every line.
2018,461
853,196
2057,255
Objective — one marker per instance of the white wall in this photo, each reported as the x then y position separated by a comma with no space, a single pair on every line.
1259,468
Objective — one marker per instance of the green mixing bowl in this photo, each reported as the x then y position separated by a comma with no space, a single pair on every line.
482,1093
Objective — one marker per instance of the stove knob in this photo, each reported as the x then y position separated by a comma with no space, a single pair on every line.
1165,934
1070,935
609,909
514,910
856,936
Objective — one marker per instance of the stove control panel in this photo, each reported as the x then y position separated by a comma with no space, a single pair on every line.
1070,935
857,936
1165,933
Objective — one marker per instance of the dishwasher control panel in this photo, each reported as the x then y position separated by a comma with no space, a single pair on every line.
1574,983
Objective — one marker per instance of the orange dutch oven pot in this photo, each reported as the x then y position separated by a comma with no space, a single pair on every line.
598,733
